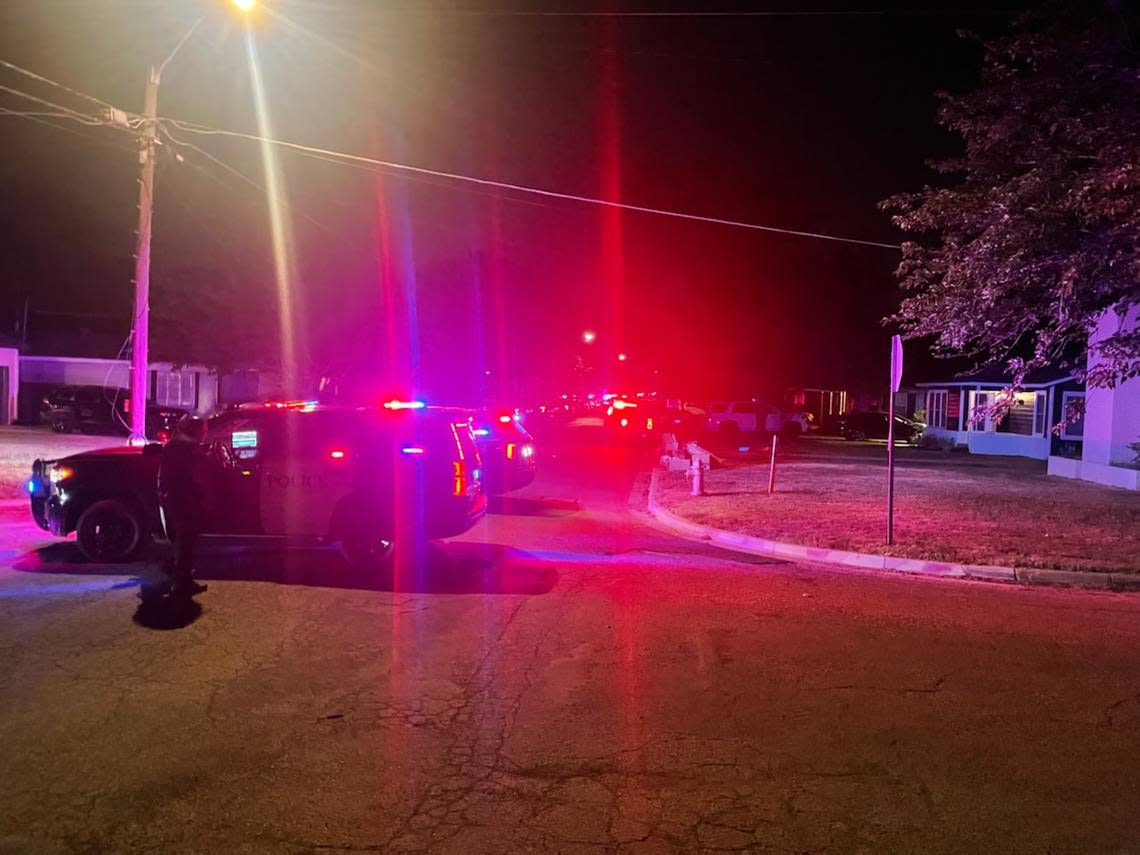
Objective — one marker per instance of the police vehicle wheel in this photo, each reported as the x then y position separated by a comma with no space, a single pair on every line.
60,425
109,532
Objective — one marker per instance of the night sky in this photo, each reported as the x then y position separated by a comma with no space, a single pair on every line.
798,121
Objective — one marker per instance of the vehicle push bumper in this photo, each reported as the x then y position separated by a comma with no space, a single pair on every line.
47,504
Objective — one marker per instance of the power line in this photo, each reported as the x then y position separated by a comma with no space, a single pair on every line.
518,188
42,118
241,176
21,70
727,13
82,118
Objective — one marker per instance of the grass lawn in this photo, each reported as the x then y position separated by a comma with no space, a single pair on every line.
19,446
948,507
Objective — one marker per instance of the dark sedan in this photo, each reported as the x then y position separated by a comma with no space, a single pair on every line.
95,410
857,426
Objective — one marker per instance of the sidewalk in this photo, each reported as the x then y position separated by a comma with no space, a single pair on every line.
953,508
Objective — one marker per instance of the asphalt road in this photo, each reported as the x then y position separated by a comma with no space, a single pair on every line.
562,678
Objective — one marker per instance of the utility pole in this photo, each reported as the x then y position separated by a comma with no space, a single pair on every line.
140,329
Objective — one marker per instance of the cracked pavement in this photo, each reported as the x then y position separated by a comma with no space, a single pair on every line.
562,678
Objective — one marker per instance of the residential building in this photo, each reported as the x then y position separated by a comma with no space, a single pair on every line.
956,412
1110,424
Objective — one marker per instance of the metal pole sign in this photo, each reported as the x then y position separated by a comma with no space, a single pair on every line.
896,383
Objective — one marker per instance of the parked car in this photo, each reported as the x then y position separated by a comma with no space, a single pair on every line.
297,472
753,417
506,449
97,410
857,426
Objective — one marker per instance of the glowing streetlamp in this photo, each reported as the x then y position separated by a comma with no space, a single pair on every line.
140,328
622,357
589,336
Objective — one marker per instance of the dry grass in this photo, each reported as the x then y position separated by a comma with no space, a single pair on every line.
20,446
949,508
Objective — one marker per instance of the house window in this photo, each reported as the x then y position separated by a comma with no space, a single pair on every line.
1021,416
1040,413
978,416
176,389
1072,428
936,409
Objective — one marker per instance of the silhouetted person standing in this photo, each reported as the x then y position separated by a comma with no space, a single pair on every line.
181,478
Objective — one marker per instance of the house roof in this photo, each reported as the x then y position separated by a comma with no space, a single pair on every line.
1038,378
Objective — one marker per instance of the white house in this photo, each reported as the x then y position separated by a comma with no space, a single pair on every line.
1111,421
1025,431
190,387
9,384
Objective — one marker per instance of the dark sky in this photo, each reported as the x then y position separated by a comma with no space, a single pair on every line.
800,121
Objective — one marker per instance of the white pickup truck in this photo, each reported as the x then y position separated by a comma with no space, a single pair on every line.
753,417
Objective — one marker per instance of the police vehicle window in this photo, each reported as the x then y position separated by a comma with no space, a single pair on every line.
327,435
243,435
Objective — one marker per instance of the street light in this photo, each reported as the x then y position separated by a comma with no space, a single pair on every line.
140,328
589,336
622,357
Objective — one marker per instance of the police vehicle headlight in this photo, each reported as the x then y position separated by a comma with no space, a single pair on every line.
60,473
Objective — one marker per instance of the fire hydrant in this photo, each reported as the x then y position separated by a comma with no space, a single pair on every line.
697,475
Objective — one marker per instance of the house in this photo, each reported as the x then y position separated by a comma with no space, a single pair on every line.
1027,428
189,387
1110,424
9,384
824,405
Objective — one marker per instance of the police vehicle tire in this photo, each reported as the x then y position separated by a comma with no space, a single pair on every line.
62,425
109,532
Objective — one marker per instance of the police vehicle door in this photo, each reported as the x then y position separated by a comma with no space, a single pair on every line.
312,469
237,443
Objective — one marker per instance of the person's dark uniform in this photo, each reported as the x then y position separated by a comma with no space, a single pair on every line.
181,475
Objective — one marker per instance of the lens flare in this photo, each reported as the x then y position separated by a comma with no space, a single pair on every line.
284,264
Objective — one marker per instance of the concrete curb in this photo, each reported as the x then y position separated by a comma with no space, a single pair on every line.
869,561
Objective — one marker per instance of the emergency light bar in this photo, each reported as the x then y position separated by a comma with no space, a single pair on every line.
404,405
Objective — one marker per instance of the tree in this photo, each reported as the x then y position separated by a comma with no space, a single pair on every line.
1039,231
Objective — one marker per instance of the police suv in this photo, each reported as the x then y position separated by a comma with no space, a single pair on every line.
359,477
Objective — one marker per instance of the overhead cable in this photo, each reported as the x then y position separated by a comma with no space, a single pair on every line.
518,188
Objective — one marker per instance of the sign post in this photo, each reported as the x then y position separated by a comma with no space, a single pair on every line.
896,383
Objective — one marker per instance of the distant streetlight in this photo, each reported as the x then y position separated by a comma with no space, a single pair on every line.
140,330
589,336
622,357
